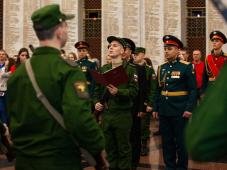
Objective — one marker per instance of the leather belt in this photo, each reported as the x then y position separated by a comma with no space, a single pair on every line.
174,93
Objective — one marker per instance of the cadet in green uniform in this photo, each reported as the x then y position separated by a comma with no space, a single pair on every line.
86,64
206,134
117,119
39,141
129,50
174,101
142,103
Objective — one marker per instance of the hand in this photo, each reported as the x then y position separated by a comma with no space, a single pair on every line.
112,89
187,114
102,162
141,114
99,107
155,115
6,130
7,134
149,109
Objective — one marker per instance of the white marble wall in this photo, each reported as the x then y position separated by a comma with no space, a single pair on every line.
214,21
144,21
18,31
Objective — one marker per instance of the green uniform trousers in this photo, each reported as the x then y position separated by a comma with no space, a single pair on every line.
145,126
116,127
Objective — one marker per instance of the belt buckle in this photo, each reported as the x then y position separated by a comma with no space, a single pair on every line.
166,92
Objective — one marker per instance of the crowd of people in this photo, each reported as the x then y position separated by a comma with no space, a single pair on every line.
121,136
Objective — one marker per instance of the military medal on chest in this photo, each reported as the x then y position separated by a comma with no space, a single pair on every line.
84,68
175,74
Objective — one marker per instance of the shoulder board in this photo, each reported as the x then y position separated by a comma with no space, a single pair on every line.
163,63
106,65
184,62
71,63
148,65
91,60
132,64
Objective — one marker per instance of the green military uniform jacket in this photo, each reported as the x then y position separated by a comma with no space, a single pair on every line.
151,77
126,92
35,133
206,134
176,91
147,86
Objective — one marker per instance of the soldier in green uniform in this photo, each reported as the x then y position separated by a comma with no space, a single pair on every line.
129,50
142,103
117,119
206,134
39,141
174,101
86,64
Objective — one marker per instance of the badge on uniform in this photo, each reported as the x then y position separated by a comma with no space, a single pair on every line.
153,77
80,88
84,68
175,74
163,71
135,77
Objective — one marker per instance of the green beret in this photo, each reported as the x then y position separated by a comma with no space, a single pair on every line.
118,39
48,17
140,50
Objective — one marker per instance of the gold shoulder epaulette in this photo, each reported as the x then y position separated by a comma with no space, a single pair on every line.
163,63
184,62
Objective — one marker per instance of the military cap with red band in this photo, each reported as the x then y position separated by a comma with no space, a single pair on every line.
170,40
81,44
218,35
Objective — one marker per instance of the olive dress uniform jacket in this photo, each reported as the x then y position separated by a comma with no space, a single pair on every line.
176,91
36,135
126,92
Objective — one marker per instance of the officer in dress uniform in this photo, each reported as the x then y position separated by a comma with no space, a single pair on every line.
174,101
117,119
39,141
214,61
86,64
142,103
